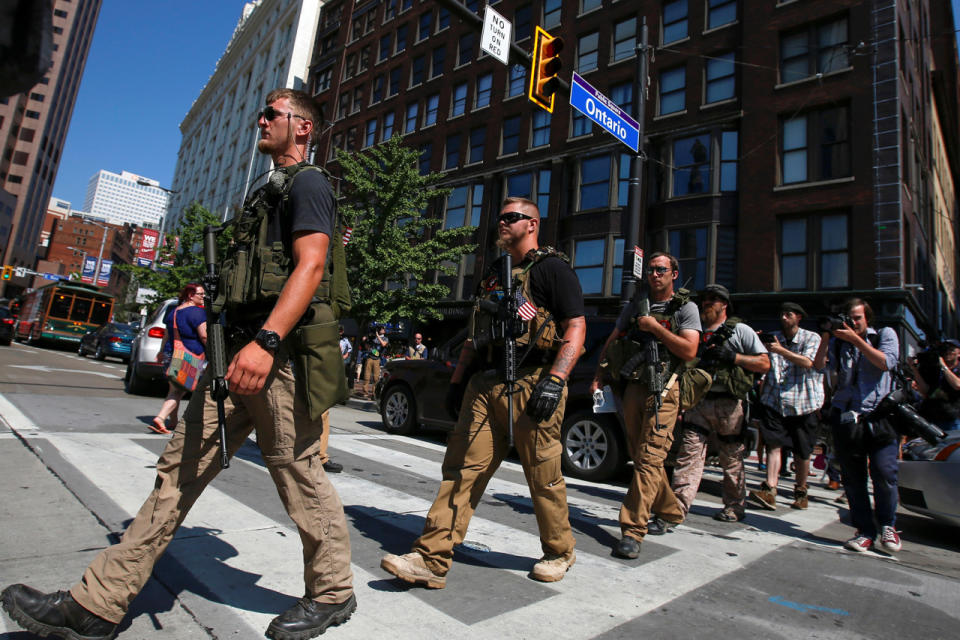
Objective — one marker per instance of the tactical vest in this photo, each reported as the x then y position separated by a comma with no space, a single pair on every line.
541,328
727,378
255,271
626,348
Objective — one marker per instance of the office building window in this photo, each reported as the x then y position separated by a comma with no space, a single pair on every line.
386,44
673,87
588,258
551,13
452,158
622,96
579,124
589,5
719,78
376,95
623,180
463,206
522,28
426,153
465,48
436,62
459,104
323,80
689,247
587,52
371,134
401,41
443,19
478,137
424,25
394,87
410,124
624,39
729,153
430,114
819,48
721,12
815,146
510,142
595,182
541,128
417,68
516,85
543,192
814,249
484,90
691,165
617,271
388,125
674,21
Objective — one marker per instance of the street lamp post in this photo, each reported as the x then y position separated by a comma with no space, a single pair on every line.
83,258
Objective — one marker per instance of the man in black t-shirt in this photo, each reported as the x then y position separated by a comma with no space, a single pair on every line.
549,298
263,396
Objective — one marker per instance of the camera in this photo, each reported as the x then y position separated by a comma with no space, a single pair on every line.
834,322
768,338
899,412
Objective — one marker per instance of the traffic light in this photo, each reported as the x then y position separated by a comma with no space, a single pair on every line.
7,272
546,64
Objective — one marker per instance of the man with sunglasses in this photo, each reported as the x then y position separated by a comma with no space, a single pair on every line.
673,323
263,395
554,331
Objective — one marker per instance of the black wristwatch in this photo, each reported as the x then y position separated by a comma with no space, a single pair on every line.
269,340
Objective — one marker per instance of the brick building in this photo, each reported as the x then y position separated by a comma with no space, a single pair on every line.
798,150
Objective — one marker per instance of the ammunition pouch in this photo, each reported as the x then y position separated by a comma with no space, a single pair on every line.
315,347
694,385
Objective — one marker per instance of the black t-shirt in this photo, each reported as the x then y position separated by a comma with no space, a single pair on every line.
555,287
310,207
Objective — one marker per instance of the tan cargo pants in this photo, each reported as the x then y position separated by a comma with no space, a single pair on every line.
649,491
289,441
475,449
723,416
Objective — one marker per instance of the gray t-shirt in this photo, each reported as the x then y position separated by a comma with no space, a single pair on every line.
687,316
743,340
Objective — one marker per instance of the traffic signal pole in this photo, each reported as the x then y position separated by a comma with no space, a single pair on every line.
632,220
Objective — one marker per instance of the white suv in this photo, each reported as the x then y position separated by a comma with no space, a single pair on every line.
144,372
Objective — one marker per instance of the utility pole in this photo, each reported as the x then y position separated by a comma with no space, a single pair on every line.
633,221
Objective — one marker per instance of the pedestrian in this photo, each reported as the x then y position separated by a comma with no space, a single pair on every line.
376,351
297,208
938,381
674,326
792,393
732,352
346,351
189,320
481,439
418,350
861,359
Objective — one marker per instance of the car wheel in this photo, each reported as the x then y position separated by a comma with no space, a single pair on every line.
80,351
99,354
591,446
132,382
398,410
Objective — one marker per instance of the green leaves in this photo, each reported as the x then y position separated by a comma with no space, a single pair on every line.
396,244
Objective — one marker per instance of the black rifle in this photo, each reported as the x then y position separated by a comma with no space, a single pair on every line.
649,355
216,346
506,329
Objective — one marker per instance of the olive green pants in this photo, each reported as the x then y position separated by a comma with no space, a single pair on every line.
649,490
290,444
475,449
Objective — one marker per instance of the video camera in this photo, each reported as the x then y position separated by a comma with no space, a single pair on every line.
897,408
834,322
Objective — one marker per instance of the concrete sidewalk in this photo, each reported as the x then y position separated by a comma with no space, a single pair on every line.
48,538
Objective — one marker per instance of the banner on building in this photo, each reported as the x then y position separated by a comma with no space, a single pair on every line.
105,267
148,248
89,266
170,247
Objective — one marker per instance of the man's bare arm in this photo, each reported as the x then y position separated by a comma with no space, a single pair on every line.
574,334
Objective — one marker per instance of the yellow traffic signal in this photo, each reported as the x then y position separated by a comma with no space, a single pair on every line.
7,272
543,72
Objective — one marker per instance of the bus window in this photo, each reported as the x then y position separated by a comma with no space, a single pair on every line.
81,309
60,306
101,313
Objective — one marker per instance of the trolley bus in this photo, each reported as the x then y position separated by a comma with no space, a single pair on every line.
62,312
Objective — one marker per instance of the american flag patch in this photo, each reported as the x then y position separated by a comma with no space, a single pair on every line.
347,233
525,308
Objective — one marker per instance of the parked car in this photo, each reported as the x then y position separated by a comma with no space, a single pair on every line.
7,321
112,339
929,476
412,393
144,372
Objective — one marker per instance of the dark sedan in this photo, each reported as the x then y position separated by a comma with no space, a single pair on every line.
6,326
112,339
413,392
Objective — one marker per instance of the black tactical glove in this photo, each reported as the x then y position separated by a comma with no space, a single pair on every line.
545,398
455,398
718,355
726,355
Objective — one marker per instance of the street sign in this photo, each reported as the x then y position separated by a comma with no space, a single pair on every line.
495,38
599,108
20,272
638,263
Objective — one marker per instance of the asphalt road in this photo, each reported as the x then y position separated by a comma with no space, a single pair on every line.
77,460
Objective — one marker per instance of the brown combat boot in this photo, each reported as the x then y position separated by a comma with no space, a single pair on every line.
799,497
765,497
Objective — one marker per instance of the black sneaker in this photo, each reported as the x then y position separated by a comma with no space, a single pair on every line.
309,618
658,527
57,613
628,548
332,467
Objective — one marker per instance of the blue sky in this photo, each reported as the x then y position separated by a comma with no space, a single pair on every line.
147,63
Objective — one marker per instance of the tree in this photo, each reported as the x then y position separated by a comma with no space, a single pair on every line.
395,243
188,265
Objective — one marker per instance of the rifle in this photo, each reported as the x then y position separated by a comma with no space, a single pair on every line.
216,346
650,356
506,327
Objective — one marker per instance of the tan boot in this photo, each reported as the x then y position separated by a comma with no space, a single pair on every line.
411,568
765,497
800,500
552,568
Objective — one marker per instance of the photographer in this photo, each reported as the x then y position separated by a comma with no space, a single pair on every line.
862,359
936,373
377,348
792,393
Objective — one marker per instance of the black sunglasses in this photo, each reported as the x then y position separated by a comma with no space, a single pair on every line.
510,217
657,270
270,114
